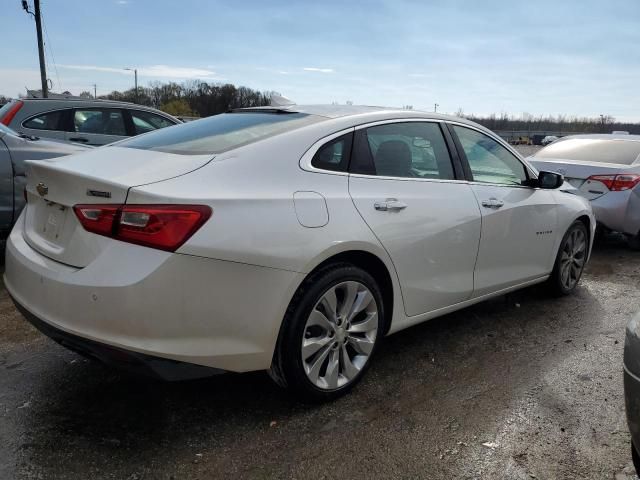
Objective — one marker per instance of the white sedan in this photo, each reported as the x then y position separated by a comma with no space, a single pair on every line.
288,239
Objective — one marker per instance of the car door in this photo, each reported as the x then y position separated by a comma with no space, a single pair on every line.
97,126
403,184
518,222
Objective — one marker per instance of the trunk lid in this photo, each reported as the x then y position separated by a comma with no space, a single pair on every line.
577,173
99,176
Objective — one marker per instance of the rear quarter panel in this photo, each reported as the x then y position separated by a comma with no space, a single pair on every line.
254,219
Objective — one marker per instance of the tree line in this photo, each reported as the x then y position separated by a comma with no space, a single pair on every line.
560,123
192,98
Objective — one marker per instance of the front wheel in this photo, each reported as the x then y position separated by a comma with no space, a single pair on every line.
571,259
329,334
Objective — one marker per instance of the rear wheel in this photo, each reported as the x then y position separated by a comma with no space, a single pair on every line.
571,259
329,334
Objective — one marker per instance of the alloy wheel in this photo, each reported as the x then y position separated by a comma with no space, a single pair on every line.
573,258
339,335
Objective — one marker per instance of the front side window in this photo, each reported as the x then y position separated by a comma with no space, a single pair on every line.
46,121
334,155
406,150
489,161
103,121
144,122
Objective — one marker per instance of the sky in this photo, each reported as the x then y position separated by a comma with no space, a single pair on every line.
538,57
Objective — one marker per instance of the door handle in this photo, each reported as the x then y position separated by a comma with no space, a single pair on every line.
390,204
492,203
79,139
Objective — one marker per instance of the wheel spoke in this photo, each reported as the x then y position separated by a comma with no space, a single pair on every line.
349,370
362,301
350,290
313,371
310,346
368,324
362,345
318,319
333,369
330,304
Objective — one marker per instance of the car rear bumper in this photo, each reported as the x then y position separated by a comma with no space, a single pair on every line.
618,211
134,362
219,314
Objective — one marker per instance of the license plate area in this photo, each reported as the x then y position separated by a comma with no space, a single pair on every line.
52,220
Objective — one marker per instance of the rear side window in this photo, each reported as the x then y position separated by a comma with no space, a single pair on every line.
101,121
334,155
220,133
407,150
623,152
144,122
45,121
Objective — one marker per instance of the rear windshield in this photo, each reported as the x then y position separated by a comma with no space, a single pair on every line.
624,152
220,133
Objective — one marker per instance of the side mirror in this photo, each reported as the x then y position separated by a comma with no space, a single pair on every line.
550,180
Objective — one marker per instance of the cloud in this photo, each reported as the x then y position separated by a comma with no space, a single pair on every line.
122,2
161,71
316,69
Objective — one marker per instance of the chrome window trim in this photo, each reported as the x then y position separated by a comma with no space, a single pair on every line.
307,157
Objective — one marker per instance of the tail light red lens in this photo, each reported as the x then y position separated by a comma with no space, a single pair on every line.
165,227
13,109
617,183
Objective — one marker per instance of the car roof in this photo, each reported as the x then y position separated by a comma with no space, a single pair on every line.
79,100
364,112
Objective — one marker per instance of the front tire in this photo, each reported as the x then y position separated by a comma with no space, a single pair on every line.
570,260
330,333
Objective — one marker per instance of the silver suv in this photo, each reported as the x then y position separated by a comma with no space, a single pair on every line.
90,122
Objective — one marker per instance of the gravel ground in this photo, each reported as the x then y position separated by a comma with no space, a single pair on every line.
537,380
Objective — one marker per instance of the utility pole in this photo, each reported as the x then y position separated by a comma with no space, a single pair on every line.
135,73
435,107
95,91
43,70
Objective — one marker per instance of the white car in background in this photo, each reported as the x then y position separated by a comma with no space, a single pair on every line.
605,169
290,239
548,139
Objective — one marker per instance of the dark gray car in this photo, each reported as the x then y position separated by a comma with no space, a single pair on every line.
14,150
87,121
632,385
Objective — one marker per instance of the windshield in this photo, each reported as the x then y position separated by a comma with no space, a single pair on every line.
220,133
597,150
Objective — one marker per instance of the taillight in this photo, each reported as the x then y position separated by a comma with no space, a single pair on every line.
165,227
617,183
6,119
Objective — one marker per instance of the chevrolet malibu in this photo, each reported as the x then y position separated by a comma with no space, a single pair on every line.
284,239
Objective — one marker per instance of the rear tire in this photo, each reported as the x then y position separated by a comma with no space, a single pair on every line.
330,332
636,459
570,260
634,242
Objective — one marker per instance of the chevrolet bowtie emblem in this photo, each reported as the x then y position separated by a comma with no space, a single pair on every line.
42,189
